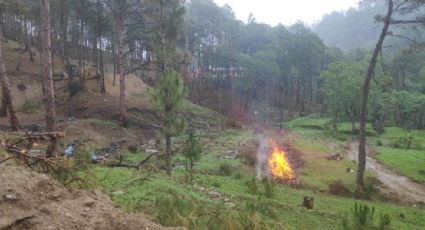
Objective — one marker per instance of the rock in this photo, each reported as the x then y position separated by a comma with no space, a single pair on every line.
230,205
152,142
10,197
118,193
89,202
151,151
214,194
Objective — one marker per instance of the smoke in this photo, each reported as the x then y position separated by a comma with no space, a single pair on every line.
263,154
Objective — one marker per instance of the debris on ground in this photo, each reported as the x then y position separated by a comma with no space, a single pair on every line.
230,155
335,157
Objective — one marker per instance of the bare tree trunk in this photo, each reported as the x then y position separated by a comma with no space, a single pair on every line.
363,113
7,96
49,97
168,155
3,109
64,28
114,60
119,23
102,69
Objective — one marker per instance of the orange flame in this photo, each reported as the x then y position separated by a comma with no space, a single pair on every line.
279,166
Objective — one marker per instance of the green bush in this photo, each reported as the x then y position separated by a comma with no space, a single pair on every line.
225,169
362,218
406,142
132,149
269,188
252,186
30,106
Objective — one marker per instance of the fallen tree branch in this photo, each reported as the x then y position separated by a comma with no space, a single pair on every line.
4,160
135,166
145,178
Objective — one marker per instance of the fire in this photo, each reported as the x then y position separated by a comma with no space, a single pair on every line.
279,166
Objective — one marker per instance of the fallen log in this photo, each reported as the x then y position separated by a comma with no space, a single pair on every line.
138,166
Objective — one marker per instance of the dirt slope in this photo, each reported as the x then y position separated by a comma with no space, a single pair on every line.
30,200
405,189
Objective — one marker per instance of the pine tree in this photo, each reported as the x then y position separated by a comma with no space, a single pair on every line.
168,94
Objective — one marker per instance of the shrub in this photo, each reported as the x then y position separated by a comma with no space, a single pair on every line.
225,169
362,217
252,186
269,188
378,126
406,142
339,189
379,143
30,106
132,149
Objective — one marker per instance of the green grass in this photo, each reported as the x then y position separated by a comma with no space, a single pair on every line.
154,196
409,162
284,208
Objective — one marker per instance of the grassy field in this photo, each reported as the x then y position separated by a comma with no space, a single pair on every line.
409,162
227,200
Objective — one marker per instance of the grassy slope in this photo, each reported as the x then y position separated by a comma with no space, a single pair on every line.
408,162
282,211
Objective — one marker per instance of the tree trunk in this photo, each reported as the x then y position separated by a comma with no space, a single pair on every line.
168,154
114,60
7,96
363,113
119,23
64,28
102,69
3,109
49,97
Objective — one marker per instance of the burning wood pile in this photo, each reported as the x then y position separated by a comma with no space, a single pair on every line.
273,163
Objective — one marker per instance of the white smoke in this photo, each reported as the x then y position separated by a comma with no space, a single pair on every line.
263,154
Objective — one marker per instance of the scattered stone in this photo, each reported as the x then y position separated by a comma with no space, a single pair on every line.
10,197
230,205
151,151
214,194
118,193
230,155
89,202
335,157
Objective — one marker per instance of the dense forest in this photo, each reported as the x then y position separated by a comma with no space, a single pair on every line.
201,71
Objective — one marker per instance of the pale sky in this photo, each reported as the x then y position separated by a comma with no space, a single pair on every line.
286,12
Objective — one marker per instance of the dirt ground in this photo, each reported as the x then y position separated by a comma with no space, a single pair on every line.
29,200
400,187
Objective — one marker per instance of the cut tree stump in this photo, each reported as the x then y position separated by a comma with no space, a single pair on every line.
308,202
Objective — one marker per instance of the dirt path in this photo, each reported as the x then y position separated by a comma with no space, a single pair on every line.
405,189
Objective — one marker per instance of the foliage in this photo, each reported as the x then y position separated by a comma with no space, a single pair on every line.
362,217
269,188
192,151
225,169
168,95
30,106
342,90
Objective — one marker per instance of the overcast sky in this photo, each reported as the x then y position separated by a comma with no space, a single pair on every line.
286,12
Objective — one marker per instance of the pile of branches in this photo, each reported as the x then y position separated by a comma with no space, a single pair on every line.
20,150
